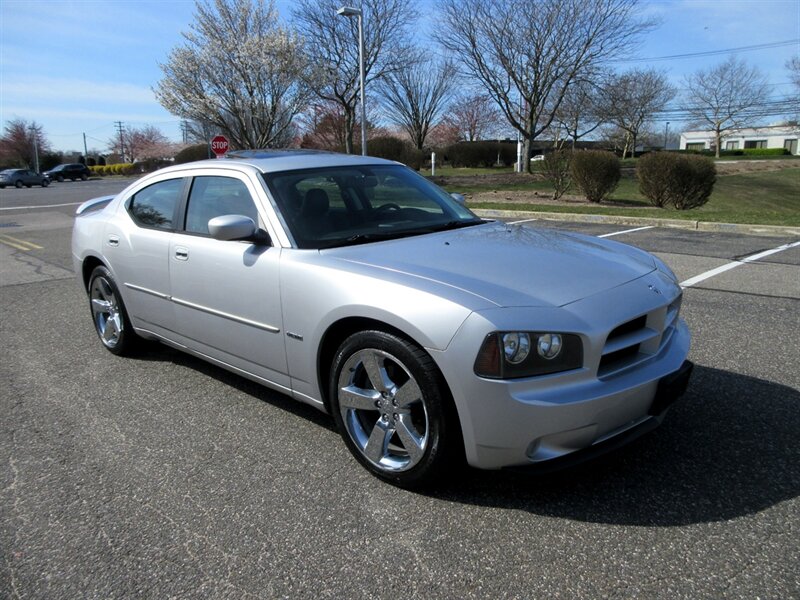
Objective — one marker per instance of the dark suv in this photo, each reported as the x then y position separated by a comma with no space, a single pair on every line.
71,171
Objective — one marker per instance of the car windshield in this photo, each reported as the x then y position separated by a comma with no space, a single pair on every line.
8,171
341,206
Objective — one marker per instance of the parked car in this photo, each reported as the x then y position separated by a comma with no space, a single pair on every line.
71,171
359,287
22,177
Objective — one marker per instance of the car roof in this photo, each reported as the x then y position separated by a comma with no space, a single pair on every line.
272,161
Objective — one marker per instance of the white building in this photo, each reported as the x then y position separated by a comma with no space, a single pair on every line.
773,136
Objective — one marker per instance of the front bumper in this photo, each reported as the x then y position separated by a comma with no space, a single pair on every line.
535,420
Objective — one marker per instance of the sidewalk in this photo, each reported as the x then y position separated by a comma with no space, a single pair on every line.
776,230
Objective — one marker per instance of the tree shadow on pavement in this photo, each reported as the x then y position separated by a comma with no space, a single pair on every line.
729,448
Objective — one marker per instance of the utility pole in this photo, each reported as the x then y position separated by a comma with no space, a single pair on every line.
35,149
666,135
85,152
121,129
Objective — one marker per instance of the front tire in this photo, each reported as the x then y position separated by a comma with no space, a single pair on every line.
45,182
60,178
109,315
392,408
18,184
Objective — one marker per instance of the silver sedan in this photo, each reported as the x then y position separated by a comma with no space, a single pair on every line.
357,286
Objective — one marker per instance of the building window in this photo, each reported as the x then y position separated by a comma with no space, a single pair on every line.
696,146
755,143
790,145
732,145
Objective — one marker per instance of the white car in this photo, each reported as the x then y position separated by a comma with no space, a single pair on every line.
357,286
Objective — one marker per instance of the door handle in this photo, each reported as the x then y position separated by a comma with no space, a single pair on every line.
182,253
113,240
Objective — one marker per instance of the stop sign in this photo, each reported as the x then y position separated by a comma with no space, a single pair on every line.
219,145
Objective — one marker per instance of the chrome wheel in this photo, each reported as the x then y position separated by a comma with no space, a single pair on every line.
106,312
383,410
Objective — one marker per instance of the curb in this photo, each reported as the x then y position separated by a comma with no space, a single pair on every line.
776,230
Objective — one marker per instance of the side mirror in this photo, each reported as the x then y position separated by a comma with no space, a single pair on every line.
459,198
228,228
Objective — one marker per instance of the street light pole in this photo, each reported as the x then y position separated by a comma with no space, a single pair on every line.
35,149
347,11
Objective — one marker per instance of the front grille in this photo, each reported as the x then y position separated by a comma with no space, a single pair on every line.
637,340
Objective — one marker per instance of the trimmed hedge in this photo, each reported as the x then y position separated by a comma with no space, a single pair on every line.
596,173
683,181
118,169
392,148
740,152
192,153
479,154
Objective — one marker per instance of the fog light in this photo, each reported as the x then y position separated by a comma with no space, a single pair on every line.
549,345
516,347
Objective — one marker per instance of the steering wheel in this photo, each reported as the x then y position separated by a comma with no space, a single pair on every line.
388,206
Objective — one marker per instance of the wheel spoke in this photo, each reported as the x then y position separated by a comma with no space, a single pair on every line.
106,291
408,393
355,398
110,330
101,306
378,441
410,438
373,364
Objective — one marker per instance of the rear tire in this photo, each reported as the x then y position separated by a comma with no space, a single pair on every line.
84,177
45,182
109,316
393,409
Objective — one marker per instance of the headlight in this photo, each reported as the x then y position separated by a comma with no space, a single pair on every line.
508,355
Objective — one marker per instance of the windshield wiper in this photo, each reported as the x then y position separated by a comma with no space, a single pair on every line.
363,238
451,225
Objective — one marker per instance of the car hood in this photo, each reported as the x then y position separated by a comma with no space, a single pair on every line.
508,265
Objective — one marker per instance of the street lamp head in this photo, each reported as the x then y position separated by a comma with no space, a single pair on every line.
348,11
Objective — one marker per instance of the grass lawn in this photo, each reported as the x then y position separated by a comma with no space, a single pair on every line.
764,198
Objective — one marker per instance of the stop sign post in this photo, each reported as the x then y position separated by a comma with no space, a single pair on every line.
219,145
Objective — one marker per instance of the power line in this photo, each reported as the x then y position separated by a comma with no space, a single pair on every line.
712,52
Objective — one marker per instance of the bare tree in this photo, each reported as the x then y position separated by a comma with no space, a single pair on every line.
415,95
331,44
527,54
793,66
240,71
476,116
722,98
17,143
578,114
145,142
630,100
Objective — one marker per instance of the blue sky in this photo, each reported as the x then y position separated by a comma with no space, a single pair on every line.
78,66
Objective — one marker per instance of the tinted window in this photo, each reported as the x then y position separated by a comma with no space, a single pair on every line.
216,196
334,206
154,206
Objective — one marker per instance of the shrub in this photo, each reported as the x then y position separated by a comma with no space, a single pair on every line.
192,153
479,154
684,181
596,173
765,151
556,169
392,148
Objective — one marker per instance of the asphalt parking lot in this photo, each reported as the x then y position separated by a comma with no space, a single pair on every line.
163,476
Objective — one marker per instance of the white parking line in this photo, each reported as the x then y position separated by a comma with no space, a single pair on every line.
40,206
737,263
626,231
523,221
